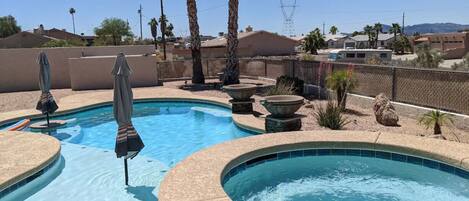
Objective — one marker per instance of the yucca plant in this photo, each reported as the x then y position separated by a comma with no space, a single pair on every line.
342,82
331,116
435,119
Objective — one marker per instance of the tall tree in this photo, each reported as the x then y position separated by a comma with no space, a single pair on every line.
395,29
314,41
197,72
378,29
113,28
168,29
231,74
333,30
154,30
72,12
8,26
368,30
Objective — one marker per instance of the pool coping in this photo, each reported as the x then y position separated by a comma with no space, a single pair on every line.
24,156
200,176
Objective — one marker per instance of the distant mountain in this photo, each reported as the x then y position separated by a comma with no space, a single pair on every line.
431,28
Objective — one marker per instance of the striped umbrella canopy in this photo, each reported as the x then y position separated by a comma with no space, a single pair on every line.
46,103
128,142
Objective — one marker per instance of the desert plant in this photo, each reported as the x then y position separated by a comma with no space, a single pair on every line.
281,88
435,119
342,82
464,65
331,116
297,83
427,57
374,60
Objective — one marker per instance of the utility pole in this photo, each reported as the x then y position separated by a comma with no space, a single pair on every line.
163,29
140,13
323,28
403,23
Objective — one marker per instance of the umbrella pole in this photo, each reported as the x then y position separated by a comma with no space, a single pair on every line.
47,117
126,173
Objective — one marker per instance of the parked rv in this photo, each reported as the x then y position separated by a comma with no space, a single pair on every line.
359,55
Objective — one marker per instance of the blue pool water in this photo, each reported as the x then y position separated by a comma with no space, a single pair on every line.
89,169
344,178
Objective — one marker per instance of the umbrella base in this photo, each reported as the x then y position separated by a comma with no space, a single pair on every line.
53,124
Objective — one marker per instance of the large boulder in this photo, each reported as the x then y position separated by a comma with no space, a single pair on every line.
384,111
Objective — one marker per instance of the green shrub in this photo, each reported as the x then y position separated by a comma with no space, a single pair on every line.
295,82
281,88
331,116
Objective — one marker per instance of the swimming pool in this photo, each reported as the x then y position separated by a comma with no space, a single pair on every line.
89,169
345,175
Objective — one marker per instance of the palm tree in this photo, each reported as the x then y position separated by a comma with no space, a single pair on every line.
395,29
342,82
314,41
368,30
231,74
378,29
154,30
197,73
333,30
72,12
435,119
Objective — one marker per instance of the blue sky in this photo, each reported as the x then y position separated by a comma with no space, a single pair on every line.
348,15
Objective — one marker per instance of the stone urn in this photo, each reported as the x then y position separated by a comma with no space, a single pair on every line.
282,106
240,92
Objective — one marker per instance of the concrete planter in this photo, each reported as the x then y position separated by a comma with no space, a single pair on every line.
282,106
240,92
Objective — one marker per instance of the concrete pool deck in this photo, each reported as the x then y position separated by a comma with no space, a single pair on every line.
199,176
23,155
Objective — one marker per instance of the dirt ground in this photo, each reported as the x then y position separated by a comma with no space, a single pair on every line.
360,118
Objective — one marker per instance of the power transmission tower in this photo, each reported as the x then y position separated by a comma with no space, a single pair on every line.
140,13
288,11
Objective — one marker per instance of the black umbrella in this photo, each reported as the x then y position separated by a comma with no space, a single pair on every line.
128,142
46,104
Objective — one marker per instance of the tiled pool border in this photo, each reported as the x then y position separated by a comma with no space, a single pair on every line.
28,179
345,152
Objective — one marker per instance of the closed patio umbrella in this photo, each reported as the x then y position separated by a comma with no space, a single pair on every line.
128,142
46,103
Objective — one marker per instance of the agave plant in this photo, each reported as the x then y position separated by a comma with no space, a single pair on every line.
435,119
331,116
342,82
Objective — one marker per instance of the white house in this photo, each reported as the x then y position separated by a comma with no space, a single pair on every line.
361,41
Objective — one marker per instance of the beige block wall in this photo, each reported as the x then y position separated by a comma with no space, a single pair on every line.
95,72
19,69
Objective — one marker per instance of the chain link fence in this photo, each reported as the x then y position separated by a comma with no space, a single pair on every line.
440,89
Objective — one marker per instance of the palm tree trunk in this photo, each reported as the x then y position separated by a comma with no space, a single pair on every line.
437,129
73,21
231,74
197,72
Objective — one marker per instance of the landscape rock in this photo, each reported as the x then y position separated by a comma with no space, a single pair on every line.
384,111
